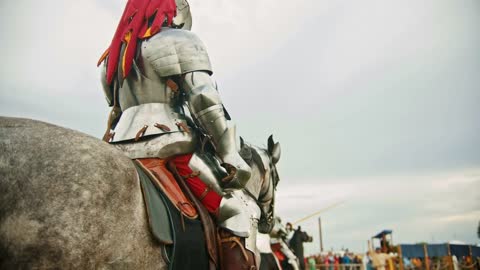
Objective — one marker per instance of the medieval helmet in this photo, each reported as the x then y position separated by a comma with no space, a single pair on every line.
183,19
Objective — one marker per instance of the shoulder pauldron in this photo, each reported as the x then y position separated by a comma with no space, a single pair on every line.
175,51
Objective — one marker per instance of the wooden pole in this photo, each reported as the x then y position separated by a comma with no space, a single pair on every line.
450,258
383,243
427,265
400,257
472,260
320,233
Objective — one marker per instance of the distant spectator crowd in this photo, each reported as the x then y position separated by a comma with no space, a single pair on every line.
336,261
370,261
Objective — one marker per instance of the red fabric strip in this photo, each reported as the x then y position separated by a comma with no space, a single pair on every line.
212,200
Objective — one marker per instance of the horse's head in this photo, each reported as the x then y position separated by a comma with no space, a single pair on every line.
264,179
302,235
279,230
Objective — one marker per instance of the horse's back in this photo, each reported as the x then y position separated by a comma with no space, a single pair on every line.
69,200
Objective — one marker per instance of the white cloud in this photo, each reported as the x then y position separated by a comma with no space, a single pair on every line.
472,216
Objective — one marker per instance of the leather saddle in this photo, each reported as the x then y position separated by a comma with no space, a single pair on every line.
162,188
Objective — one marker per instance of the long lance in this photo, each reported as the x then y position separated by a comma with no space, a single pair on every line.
318,212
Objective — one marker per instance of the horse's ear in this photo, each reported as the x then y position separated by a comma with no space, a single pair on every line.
242,142
274,150
276,153
270,144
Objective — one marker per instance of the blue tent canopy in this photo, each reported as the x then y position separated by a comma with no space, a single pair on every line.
413,251
382,233
437,250
459,250
476,251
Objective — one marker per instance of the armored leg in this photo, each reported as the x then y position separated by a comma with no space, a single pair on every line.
233,254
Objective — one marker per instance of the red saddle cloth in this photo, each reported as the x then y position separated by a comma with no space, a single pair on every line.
277,250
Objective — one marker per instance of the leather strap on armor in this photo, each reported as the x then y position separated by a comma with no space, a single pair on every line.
162,127
191,175
183,127
111,94
173,86
141,132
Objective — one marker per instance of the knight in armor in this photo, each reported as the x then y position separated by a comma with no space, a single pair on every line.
156,75
280,236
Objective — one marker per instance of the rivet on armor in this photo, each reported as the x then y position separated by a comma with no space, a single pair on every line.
162,127
141,132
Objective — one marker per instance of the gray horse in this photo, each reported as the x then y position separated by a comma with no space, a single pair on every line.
68,200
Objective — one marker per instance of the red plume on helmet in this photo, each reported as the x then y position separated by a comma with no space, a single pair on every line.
141,19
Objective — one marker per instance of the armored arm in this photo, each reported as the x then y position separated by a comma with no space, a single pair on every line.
180,55
207,109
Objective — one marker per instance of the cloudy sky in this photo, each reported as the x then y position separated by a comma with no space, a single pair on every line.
375,103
